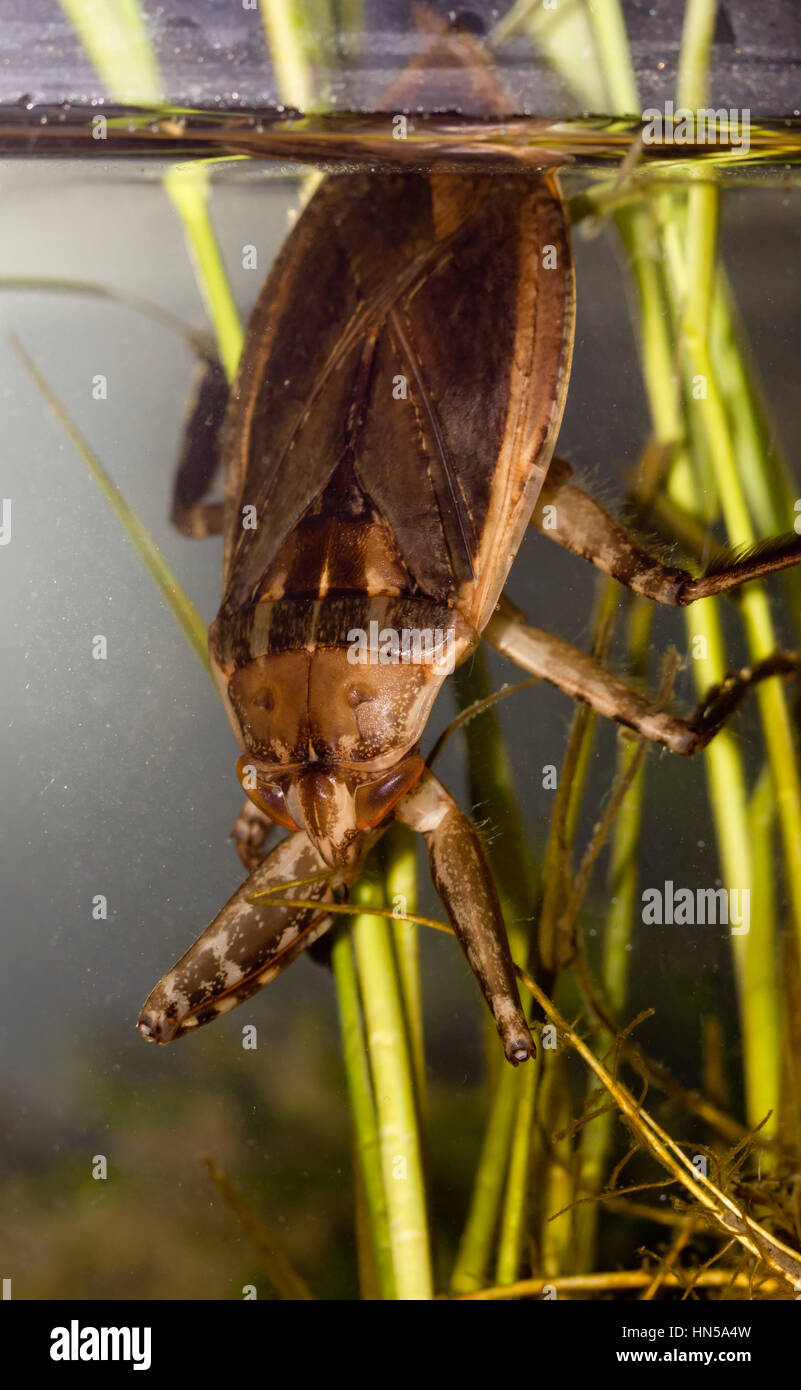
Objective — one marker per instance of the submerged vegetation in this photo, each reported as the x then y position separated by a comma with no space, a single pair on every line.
701,1201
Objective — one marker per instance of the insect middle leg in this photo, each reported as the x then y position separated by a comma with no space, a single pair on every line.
252,829
583,678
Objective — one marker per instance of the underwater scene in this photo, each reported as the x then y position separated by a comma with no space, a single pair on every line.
445,366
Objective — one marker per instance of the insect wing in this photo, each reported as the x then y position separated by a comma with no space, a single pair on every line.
414,326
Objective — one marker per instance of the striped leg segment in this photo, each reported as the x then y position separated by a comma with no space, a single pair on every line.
245,947
464,883
583,678
569,516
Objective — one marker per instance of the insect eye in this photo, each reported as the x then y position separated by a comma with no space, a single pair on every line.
267,796
375,800
358,695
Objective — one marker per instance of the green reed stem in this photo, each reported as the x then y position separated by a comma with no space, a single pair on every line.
475,1246
188,187
770,489
514,1211
615,57
697,33
566,37
754,604
723,764
557,865
362,1101
693,293
759,948
395,1101
399,848
596,1138
115,38
291,41
556,1231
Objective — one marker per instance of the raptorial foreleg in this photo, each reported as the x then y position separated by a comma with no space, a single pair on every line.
463,880
245,947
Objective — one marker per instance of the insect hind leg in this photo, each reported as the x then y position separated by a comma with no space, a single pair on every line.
583,678
569,516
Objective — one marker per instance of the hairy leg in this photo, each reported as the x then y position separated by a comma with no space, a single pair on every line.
569,516
584,678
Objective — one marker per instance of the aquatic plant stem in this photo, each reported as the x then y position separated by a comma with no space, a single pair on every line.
596,1137
615,57
399,847
290,40
395,1101
514,1211
187,185
701,240
697,33
730,1218
360,1090
179,602
115,38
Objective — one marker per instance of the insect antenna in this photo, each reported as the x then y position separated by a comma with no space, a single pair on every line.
477,707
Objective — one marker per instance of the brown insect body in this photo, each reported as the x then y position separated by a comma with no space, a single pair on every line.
388,439
391,425
388,433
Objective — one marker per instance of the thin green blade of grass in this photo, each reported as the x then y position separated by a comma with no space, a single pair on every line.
566,37
187,185
596,1137
362,1101
178,601
399,856
514,1215
394,1090
757,619
291,42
